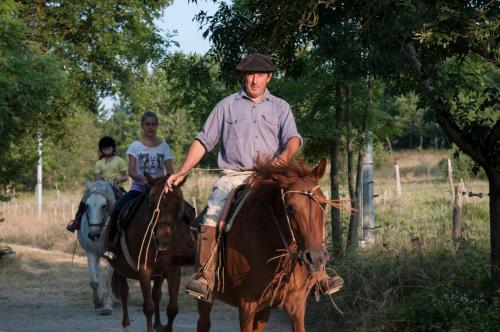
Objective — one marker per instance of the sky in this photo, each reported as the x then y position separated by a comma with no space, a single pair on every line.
179,16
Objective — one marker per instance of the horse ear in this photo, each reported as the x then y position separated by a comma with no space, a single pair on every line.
87,184
149,178
319,171
281,180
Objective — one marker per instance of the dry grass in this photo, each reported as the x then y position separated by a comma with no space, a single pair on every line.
413,248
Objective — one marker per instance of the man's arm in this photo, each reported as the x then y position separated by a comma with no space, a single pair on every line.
291,149
195,153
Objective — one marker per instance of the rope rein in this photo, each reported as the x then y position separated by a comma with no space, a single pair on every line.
149,232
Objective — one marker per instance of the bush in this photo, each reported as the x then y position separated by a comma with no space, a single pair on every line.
456,303
463,166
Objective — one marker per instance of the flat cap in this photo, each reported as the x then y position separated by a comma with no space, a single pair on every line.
256,62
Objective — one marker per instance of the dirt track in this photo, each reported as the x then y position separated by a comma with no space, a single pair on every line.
40,291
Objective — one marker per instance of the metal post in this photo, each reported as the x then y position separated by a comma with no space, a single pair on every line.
38,190
367,194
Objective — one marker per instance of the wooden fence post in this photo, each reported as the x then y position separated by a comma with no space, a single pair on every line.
450,175
457,217
398,179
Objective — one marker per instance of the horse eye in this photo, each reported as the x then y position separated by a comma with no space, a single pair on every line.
103,206
289,208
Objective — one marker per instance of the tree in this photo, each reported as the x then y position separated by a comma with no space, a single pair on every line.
102,43
31,86
182,90
446,50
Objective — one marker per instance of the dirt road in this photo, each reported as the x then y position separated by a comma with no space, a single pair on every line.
41,291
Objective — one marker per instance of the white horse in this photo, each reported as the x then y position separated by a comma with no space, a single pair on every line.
99,200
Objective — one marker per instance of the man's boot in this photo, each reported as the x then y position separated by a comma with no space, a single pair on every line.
73,226
111,243
330,285
203,281
75,223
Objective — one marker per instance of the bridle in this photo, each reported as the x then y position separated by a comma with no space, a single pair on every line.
310,195
291,251
106,212
150,233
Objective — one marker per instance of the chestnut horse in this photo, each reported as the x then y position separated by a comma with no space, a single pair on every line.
275,249
157,245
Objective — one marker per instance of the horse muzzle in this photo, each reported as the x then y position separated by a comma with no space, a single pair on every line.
315,259
94,235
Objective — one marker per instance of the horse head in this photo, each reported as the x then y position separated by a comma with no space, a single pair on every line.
303,205
99,199
165,210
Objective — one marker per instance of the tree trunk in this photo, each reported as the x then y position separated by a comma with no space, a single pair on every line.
494,182
350,176
352,237
337,238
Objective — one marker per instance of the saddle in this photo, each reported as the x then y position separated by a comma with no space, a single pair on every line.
129,210
231,209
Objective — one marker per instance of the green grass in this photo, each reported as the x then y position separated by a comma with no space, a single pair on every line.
413,278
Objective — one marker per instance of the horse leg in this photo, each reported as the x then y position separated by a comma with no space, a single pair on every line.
122,284
93,264
158,282
247,313
148,305
204,309
108,299
296,314
174,281
260,320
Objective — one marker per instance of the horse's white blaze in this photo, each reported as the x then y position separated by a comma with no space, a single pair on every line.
97,195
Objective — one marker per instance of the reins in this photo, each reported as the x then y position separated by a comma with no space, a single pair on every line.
291,251
149,231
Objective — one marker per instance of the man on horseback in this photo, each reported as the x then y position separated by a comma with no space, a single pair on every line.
251,122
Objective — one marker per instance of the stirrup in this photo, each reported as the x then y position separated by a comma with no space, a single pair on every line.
198,290
329,289
110,255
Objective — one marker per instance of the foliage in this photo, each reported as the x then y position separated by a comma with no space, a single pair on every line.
68,161
32,87
103,43
446,51
413,125
463,166
458,303
182,90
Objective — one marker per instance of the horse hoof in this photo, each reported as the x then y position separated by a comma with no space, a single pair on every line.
99,306
106,312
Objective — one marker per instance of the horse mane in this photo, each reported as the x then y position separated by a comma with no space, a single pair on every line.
286,173
103,187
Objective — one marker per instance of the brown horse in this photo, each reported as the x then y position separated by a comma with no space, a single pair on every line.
275,249
157,244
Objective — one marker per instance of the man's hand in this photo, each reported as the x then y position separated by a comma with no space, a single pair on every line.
279,162
174,180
